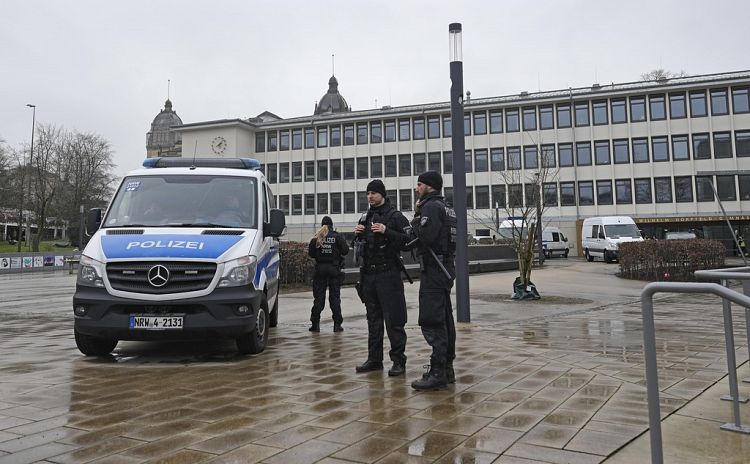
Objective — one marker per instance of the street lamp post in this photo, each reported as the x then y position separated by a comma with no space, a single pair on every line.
539,239
31,157
81,229
497,217
459,171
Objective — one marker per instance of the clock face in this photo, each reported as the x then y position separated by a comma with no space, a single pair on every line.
219,145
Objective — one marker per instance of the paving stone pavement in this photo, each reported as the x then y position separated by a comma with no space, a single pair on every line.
557,380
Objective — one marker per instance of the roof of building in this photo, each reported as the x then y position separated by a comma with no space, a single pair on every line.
332,101
166,118
523,97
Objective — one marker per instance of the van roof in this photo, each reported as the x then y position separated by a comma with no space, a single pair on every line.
611,219
236,167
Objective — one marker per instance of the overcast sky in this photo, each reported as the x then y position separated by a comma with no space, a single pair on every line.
102,67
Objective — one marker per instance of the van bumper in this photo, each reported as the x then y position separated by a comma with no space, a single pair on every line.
207,317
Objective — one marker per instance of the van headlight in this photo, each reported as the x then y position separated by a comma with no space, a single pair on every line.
90,272
238,272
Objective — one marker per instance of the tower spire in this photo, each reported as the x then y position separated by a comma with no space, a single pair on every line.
169,81
333,64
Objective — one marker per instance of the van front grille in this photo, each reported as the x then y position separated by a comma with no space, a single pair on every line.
182,276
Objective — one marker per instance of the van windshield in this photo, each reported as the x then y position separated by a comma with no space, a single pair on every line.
622,230
184,201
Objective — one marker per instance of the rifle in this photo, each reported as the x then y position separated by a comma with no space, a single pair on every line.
435,257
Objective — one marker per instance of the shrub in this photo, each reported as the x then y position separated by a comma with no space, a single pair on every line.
674,260
296,266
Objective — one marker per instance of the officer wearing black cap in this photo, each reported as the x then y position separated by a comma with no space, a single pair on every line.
328,248
381,235
433,233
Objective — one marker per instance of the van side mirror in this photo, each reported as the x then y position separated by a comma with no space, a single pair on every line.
93,221
277,226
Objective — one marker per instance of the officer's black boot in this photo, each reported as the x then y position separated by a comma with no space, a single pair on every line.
449,374
434,379
315,327
337,328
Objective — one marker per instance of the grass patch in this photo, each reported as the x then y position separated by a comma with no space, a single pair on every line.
5,247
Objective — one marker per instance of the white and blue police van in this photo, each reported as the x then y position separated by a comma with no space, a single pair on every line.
187,249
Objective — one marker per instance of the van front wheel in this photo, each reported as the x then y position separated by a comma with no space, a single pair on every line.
94,346
607,256
255,341
566,252
589,258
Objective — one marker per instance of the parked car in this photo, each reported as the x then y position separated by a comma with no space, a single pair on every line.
679,235
601,236
554,242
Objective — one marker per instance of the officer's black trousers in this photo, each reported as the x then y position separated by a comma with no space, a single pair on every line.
436,313
385,302
327,276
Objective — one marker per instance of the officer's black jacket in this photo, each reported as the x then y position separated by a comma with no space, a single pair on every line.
384,248
332,250
430,225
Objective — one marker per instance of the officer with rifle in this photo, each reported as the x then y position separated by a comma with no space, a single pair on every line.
379,238
433,234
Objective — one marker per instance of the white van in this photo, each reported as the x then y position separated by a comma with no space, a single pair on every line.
601,236
554,242
187,249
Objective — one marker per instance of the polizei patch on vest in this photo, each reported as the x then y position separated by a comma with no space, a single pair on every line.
423,222
167,246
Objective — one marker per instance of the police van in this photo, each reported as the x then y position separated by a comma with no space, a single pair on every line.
187,249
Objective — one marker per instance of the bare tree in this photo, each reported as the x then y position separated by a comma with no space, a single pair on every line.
528,169
87,176
661,74
46,170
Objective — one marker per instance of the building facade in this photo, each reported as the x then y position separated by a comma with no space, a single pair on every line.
649,150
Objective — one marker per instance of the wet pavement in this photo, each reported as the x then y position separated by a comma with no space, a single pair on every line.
557,380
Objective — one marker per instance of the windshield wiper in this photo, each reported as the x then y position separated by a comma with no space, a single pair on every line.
125,225
200,224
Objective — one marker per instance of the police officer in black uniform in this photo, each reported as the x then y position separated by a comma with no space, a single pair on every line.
380,237
434,229
328,248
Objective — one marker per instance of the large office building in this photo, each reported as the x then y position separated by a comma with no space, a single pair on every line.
650,150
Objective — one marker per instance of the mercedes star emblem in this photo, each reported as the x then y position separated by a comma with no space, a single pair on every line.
158,276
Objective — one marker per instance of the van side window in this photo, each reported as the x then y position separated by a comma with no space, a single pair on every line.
266,210
595,232
555,237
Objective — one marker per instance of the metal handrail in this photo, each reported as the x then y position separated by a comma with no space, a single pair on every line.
737,274
649,344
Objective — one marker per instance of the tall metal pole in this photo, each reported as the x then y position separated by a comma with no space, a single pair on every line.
23,186
31,164
81,228
459,171
539,238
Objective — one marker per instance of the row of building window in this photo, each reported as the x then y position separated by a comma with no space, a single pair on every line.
604,152
653,107
678,189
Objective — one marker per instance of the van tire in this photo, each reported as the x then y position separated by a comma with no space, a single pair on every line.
588,256
273,317
255,341
607,257
94,346
548,254
567,250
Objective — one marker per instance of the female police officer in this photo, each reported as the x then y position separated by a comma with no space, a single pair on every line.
328,248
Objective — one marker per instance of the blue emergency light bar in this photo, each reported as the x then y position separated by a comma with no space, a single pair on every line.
232,163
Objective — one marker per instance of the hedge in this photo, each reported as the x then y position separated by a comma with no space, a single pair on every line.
296,266
673,260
